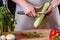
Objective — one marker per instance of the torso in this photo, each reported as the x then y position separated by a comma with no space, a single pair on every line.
37,2
24,22
33,2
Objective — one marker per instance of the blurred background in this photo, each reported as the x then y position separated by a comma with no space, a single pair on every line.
12,6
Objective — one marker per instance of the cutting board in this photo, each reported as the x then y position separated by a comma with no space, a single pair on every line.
44,31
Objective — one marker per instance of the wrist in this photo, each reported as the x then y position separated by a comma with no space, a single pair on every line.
20,2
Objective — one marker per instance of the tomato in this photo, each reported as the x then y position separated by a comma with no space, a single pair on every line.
52,33
59,33
56,37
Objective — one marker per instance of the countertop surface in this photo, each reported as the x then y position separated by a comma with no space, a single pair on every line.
44,31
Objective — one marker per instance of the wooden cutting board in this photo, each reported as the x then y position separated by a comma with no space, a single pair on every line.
44,31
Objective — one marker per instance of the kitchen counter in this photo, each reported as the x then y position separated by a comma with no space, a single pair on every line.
44,31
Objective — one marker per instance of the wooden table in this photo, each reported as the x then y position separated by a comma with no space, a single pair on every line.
44,31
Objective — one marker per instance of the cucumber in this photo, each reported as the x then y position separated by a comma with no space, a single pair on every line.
39,16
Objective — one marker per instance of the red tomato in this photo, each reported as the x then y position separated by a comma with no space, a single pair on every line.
58,33
52,33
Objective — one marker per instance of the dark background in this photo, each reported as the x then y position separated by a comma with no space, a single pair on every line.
12,6
59,8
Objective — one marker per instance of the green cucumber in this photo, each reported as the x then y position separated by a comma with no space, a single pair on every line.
39,16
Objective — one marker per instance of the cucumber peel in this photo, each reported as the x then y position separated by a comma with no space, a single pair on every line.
39,15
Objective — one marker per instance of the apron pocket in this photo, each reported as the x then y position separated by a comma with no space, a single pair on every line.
24,22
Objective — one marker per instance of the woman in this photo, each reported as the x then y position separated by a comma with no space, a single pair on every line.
25,21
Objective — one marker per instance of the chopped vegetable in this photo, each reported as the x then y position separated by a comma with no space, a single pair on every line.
32,35
56,38
40,15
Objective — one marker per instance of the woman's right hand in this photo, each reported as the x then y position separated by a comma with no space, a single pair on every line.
27,8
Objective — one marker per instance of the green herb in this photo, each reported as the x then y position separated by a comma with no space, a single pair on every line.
32,35
6,18
56,38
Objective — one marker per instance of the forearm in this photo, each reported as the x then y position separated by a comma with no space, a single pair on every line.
59,0
19,2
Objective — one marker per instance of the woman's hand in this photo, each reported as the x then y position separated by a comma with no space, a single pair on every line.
27,8
54,3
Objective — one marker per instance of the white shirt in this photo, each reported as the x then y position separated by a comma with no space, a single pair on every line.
25,23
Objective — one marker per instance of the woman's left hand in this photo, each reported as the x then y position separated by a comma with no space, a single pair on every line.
54,3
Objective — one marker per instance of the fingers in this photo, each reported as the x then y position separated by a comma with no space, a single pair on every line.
31,14
28,14
49,9
54,3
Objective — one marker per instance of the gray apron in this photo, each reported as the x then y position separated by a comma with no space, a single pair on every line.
25,23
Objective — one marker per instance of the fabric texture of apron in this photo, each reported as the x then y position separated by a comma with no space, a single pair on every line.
25,23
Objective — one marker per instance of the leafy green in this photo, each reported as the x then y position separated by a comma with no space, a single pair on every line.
6,18
56,38
33,35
